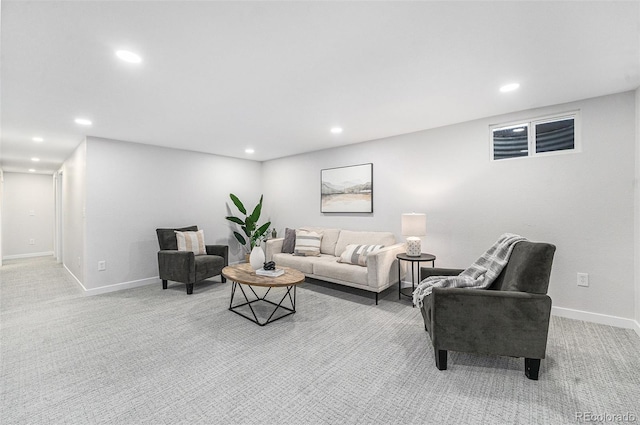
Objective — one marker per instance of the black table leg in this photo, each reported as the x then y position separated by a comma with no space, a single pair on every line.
279,305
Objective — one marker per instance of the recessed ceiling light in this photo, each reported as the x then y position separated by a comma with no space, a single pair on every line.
83,121
336,130
128,56
249,150
509,87
38,139
32,170
518,130
34,159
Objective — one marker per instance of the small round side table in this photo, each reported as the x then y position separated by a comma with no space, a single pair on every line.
419,259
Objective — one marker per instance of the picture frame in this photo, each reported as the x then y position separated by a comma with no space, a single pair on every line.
347,189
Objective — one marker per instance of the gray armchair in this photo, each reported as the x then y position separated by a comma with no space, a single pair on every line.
510,318
184,266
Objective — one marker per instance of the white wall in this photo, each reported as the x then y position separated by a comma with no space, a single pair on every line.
27,216
583,203
132,189
637,214
1,209
73,211
74,192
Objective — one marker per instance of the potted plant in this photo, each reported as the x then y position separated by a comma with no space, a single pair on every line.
253,234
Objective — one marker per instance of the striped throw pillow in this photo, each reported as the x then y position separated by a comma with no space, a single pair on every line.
357,254
191,241
307,243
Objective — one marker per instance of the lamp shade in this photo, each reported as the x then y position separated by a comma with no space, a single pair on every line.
414,224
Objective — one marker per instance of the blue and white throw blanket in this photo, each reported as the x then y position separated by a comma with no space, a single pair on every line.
480,275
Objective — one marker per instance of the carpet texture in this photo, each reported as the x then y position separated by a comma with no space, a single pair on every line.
148,356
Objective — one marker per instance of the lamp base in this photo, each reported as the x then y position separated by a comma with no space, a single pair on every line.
413,247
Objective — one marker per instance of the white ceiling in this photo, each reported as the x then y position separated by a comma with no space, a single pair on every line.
219,77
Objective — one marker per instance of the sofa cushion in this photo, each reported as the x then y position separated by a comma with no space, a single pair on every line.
302,264
329,238
208,265
357,254
341,271
167,237
191,241
307,243
348,237
289,243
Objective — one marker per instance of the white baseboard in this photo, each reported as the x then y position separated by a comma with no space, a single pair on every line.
114,287
569,313
120,286
407,284
31,255
603,319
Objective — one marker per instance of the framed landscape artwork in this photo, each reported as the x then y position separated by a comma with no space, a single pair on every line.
347,189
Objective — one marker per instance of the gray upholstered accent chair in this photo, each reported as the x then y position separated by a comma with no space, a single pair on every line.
185,267
510,318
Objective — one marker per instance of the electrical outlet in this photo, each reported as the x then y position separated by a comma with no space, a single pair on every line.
102,265
583,279
32,241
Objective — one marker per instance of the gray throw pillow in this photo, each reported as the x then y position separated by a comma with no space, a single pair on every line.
289,243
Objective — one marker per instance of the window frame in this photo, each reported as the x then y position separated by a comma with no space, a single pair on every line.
531,140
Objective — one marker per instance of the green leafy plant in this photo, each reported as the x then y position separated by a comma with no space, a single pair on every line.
253,235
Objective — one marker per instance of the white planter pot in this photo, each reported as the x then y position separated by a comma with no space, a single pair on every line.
256,259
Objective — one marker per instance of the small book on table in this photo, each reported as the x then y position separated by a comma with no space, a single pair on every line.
270,273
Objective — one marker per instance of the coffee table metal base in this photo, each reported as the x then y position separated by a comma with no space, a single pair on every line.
288,294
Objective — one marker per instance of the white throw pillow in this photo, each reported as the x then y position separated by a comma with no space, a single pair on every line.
307,243
357,254
191,241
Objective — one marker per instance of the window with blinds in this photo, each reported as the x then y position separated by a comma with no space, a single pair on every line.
545,136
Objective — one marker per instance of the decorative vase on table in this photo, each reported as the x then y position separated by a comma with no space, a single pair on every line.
256,258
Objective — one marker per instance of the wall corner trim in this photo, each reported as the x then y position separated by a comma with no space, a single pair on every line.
73,276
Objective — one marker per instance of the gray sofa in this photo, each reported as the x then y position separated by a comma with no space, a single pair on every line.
380,272
510,318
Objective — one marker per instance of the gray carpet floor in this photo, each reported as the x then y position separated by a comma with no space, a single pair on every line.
148,356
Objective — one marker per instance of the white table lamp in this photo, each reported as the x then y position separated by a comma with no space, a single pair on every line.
414,225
